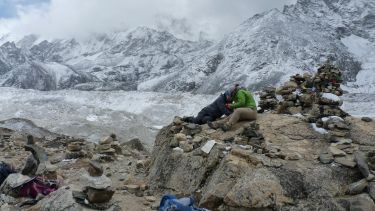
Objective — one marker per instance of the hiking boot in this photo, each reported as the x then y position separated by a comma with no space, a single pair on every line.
188,119
225,127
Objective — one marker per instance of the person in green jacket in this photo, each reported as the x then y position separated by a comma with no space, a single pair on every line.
243,104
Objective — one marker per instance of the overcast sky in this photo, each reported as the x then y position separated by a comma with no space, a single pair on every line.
187,19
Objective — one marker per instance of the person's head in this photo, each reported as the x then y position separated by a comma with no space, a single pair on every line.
231,92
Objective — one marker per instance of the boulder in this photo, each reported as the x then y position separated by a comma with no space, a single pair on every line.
99,195
256,189
136,144
60,200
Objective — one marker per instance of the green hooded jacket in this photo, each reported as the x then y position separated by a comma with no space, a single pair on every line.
243,99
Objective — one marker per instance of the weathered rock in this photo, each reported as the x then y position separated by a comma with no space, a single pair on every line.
371,189
74,155
366,119
326,158
99,195
361,163
60,200
256,189
150,198
103,147
186,146
101,182
136,144
74,147
357,187
336,152
132,188
95,169
106,140
12,184
361,202
345,162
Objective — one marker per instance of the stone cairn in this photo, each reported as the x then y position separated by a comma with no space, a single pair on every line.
297,95
75,150
317,96
97,191
108,147
268,100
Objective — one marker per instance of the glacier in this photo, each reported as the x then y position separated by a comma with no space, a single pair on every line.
94,114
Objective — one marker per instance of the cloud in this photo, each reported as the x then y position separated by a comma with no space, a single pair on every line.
188,19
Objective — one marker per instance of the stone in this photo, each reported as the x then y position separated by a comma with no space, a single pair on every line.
106,140
177,120
186,146
326,158
357,187
74,147
362,164
95,169
345,162
180,137
38,152
366,119
101,182
74,155
143,163
99,195
60,200
198,139
12,182
371,189
257,189
136,144
361,202
132,188
174,143
103,147
150,198
336,152
293,156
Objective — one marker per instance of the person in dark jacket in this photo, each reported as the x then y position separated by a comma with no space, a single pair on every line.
211,112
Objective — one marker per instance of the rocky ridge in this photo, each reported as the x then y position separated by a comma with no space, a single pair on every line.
278,163
264,50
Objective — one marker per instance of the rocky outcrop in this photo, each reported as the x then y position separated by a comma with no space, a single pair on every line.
280,169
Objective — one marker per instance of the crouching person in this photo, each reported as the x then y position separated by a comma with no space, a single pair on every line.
243,106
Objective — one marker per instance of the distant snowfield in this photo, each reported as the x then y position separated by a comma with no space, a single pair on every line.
92,115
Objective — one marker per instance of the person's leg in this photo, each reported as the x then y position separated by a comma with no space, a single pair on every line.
207,119
242,114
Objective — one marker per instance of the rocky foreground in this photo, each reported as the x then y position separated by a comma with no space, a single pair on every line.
281,162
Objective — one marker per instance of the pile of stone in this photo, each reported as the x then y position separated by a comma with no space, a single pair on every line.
184,139
268,100
297,95
75,150
336,126
328,80
108,147
366,167
341,151
97,191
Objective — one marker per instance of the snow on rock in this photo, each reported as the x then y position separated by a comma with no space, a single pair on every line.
331,97
318,129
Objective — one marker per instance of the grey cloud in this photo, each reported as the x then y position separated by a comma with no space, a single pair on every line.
188,19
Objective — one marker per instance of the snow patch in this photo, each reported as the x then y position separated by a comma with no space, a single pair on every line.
332,97
319,130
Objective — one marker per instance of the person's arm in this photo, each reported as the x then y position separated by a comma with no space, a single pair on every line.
241,100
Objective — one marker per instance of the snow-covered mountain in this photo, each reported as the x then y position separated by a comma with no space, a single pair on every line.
265,49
